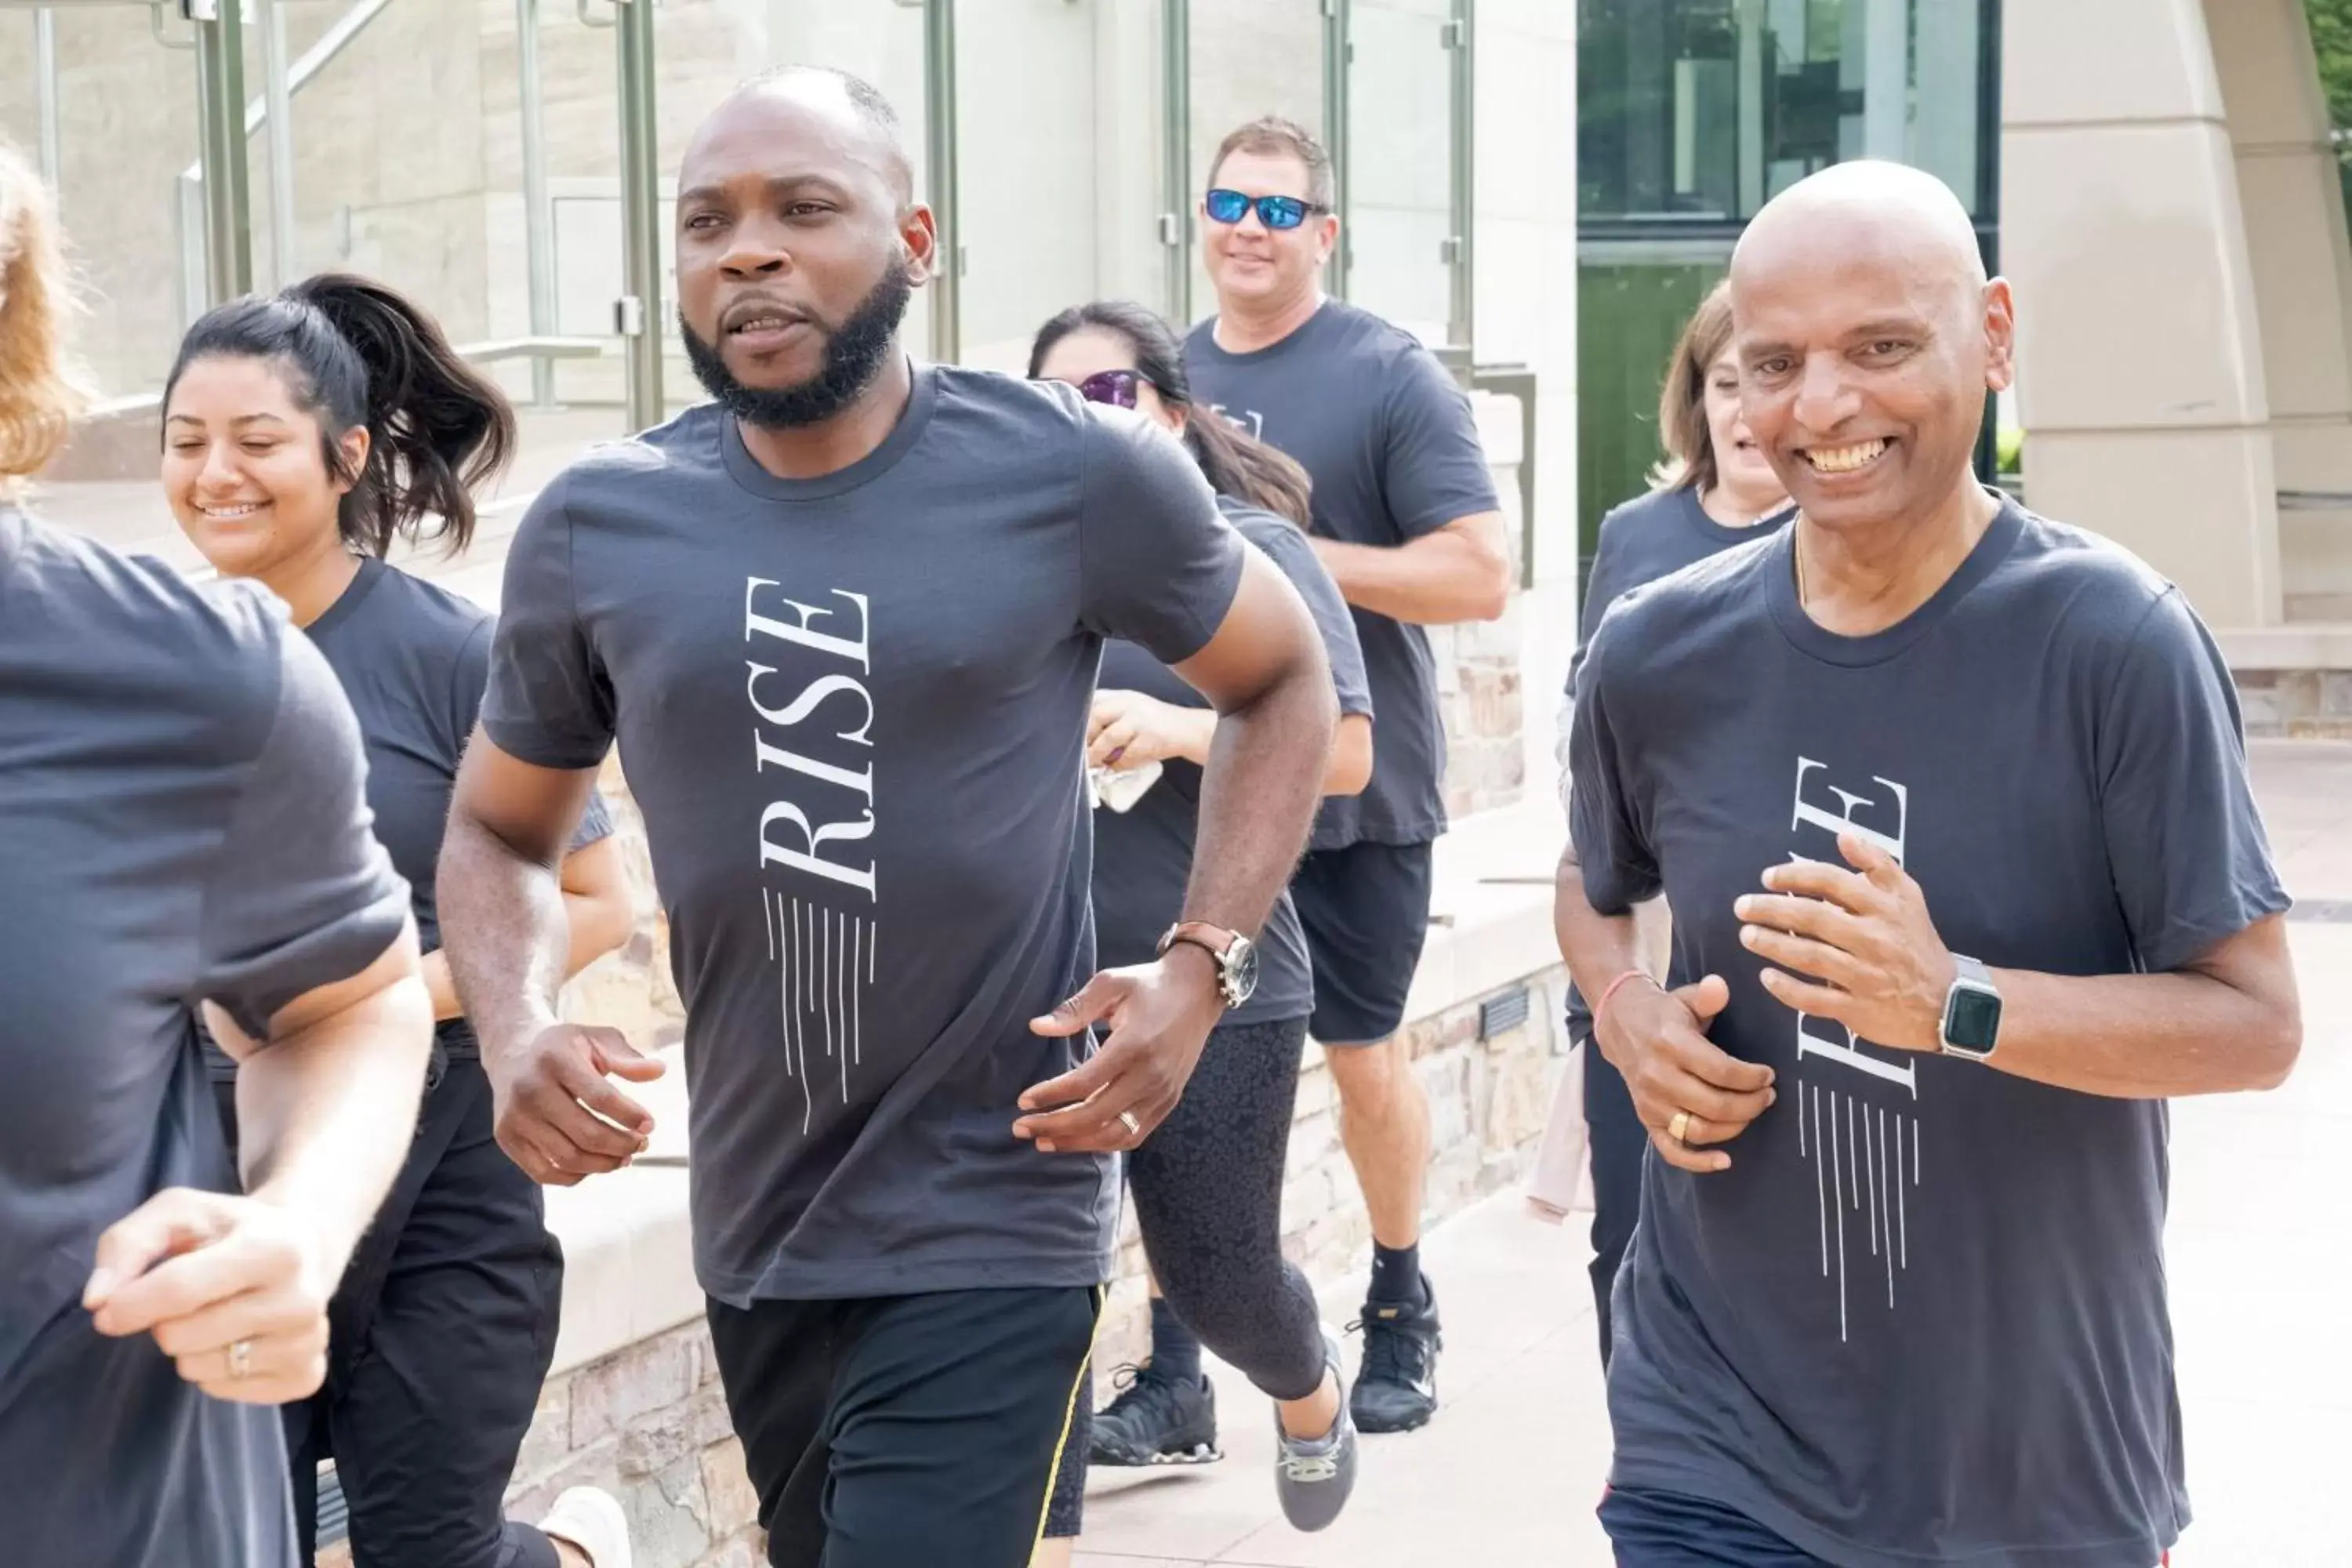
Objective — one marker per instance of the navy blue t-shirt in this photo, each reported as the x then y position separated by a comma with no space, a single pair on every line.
1922,1317
1649,537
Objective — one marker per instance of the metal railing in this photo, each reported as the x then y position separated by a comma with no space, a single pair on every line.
208,274
538,349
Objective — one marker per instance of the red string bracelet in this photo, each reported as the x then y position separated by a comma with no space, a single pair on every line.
1614,986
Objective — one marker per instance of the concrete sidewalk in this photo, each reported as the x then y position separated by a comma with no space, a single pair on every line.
1507,1475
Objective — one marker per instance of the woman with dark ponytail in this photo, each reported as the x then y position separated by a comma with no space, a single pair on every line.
305,435
1208,1186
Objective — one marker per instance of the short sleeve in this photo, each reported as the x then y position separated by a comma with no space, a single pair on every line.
1608,808
300,894
1159,566
549,702
470,676
1289,551
1432,468
2185,840
1601,590
596,823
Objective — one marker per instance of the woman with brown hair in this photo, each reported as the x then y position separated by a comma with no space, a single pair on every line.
1207,1185
1712,490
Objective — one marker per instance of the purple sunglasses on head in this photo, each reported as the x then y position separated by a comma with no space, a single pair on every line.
1115,387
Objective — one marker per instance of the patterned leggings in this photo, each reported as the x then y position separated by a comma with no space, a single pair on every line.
1207,1187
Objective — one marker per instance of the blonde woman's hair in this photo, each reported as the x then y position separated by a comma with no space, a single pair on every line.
1689,461
40,392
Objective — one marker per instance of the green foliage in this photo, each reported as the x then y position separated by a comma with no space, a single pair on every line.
2331,39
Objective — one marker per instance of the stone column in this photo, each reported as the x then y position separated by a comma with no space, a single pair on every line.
2293,203
2140,355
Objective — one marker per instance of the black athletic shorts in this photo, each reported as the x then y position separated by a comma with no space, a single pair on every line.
899,1431
1365,909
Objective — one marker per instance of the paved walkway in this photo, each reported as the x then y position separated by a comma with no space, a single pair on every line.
1507,1475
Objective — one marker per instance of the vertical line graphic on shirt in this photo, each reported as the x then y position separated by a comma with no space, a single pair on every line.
824,980
806,680
1837,1189
796,1021
1902,1219
1865,1178
841,1000
1870,1168
1892,1176
1821,1179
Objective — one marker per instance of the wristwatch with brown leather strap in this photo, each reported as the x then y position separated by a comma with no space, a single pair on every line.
1236,957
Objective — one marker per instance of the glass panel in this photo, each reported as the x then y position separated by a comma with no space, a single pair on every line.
1400,163
1699,110
1629,313
126,127
1251,58
1057,141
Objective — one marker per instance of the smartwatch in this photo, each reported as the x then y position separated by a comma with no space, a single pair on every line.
1236,957
1971,1026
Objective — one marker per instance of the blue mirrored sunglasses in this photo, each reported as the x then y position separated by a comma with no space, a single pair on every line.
1275,211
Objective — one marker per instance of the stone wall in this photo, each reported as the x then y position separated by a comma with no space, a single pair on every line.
2298,704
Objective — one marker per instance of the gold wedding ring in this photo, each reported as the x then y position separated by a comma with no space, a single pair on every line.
1134,1127
1679,1127
241,1360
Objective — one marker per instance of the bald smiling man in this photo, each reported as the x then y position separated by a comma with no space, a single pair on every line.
845,622
1950,803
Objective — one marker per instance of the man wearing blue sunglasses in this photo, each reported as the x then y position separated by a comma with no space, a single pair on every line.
1407,524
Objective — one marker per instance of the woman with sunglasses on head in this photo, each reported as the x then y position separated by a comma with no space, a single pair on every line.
1208,1184
1713,490
304,434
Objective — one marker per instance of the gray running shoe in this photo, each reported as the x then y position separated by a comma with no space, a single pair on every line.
1313,1476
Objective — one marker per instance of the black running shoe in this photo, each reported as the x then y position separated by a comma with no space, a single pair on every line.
1396,1389
1156,1420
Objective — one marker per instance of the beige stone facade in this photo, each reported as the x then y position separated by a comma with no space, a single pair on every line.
2172,217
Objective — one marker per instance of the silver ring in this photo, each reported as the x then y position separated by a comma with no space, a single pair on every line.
1134,1127
241,1360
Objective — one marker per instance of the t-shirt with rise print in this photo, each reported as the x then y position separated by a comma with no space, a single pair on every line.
1921,1319
180,819
1144,857
1649,537
853,711
1392,448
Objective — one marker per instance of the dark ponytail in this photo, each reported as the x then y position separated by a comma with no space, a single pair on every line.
357,356
1234,462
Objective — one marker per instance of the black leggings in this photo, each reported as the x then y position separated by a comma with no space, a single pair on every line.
441,1332
1207,1188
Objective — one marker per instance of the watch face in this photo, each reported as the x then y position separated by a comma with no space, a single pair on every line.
1240,971
1972,1019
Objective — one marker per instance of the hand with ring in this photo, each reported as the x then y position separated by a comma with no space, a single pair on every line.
1159,1016
1689,1092
233,1289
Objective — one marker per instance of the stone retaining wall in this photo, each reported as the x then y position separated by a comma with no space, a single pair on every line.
2297,704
